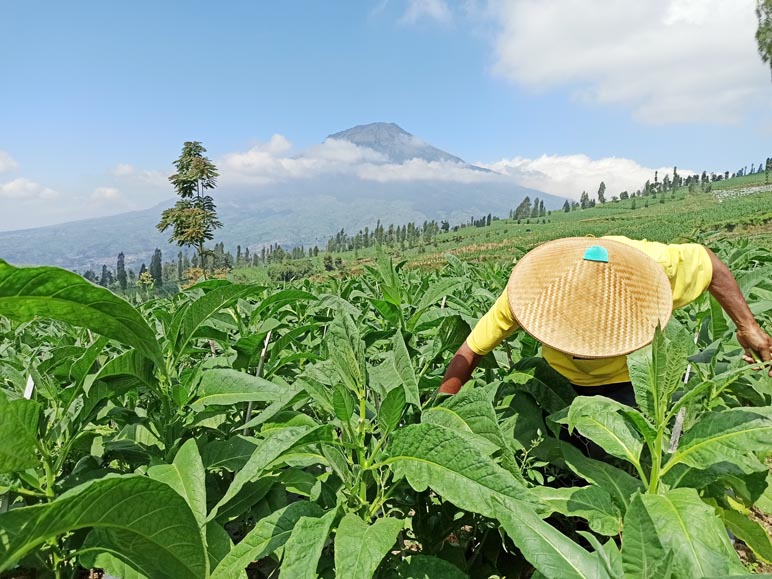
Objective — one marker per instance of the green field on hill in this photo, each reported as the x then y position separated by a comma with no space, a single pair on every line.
740,207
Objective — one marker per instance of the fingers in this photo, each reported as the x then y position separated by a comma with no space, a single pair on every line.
761,356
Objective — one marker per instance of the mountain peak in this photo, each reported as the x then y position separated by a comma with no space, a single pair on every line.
394,142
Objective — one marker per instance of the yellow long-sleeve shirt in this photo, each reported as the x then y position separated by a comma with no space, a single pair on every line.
687,266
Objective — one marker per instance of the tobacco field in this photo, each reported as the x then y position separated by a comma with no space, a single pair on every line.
237,431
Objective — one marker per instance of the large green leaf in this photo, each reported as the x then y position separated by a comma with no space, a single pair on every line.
225,387
230,454
50,292
342,403
268,534
749,532
391,410
218,544
346,351
291,396
154,525
249,495
547,549
281,298
186,476
18,434
642,553
534,376
268,450
99,551
390,312
438,290
427,567
718,319
472,411
404,369
591,503
359,548
304,546
620,485
447,418
129,365
433,456
726,436
691,530
189,319
82,366
598,418
657,370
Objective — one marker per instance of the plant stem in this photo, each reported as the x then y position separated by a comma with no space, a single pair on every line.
656,460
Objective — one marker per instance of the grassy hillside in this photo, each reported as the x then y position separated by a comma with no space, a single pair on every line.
735,208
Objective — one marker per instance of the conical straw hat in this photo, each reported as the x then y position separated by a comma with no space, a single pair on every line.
588,297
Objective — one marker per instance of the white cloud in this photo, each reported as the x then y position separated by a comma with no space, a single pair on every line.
266,163
668,60
7,163
341,151
568,176
22,189
421,170
145,177
432,9
107,194
123,170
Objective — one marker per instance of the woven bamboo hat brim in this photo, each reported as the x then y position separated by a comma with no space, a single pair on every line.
589,297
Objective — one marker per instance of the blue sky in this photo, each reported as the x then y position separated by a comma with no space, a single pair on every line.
97,97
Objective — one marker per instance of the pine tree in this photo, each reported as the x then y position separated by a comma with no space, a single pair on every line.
602,193
523,210
120,272
180,267
156,268
535,210
104,280
584,200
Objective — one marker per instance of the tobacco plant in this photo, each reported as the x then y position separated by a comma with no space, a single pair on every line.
235,431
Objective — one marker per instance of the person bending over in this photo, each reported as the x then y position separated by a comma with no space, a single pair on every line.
592,301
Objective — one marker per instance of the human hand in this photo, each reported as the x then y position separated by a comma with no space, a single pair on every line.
757,345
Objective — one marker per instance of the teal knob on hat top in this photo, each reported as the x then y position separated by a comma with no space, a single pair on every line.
596,253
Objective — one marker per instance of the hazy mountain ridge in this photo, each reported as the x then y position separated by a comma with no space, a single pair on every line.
302,211
395,143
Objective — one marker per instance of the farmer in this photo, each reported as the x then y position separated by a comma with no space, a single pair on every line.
592,301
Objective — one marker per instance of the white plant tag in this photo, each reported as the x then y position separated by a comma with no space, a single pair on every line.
30,387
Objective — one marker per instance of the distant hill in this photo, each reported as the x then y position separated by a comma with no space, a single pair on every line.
295,211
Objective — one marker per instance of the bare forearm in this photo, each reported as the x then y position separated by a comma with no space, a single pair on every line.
756,343
727,292
460,369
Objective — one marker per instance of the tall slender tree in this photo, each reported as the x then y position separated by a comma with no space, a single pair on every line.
180,267
156,268
120,272
193,218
